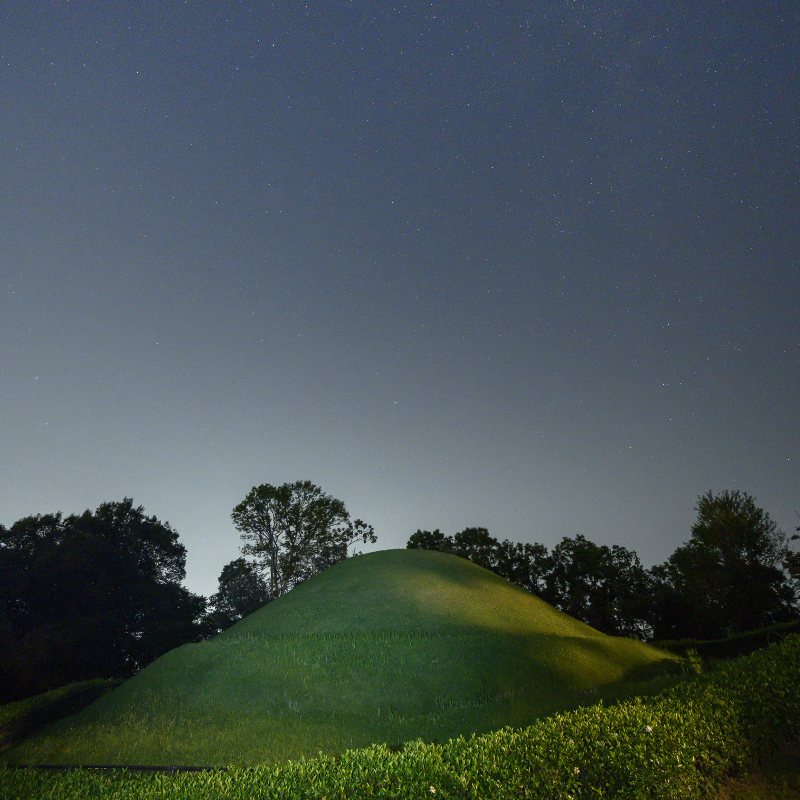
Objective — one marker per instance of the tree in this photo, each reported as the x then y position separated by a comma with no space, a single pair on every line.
242,590
295,531
605,587
430,540
476,545
729,577
91,595
522,564
526,565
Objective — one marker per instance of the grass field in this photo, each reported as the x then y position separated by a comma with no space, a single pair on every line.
380,649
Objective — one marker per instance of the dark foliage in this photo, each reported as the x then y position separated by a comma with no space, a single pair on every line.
739,644
792,562
729,577
242,590
605,587
96,595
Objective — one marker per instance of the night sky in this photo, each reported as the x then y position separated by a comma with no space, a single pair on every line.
531,266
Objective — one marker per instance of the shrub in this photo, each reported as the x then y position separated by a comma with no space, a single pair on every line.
739,644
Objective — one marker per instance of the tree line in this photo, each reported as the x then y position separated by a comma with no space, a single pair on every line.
735,574
100,594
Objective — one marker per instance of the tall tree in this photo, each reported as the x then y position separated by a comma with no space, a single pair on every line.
295,531
92,595
605,587
792,562
478,546
242,590
729,577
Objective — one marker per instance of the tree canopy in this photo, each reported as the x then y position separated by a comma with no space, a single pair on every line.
294,531
792,563
92,595
242,590
729,577
605,587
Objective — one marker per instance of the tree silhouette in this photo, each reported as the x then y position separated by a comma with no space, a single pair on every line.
295,531
92,595
729,577
242,590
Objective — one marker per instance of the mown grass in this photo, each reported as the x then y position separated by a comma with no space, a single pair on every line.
381,649
682,743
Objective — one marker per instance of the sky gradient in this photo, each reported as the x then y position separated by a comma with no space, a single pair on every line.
527,266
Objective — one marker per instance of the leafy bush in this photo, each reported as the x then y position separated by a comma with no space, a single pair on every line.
739,644
675,745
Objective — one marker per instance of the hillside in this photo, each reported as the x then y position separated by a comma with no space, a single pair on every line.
384,647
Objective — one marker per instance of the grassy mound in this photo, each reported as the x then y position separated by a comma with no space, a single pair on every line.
382,648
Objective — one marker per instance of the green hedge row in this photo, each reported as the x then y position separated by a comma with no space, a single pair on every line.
675,745
738,645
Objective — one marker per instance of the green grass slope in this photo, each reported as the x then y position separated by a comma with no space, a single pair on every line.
381,648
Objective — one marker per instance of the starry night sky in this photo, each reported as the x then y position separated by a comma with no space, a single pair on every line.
532,266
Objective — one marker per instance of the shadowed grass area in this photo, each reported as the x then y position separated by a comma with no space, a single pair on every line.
24,716
776,778
381,648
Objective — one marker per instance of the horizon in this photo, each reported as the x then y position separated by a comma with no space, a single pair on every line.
360,548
